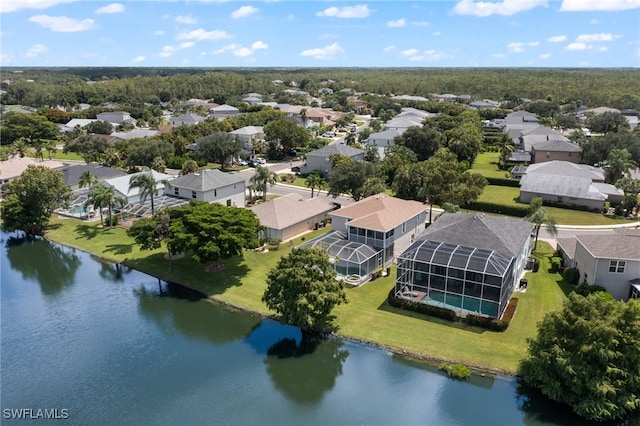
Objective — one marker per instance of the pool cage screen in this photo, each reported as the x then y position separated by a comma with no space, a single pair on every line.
348,257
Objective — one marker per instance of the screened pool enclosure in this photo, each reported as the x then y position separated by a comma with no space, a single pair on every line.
456,277
348,257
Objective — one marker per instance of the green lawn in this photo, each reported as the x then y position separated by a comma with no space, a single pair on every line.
508,195
366,316
487,165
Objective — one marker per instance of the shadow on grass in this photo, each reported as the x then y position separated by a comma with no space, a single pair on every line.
90,231
190,274
119,248
384,306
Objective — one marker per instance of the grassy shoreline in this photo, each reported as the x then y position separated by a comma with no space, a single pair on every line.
366,318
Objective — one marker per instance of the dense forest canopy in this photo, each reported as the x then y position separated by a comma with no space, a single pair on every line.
40,87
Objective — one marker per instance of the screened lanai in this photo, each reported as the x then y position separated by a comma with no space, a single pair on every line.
348,257
456,277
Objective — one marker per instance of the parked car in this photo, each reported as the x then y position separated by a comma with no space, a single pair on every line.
252,163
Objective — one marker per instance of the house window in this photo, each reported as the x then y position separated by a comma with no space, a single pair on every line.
215,192
404,227
193,194
617,266
176,191
228,203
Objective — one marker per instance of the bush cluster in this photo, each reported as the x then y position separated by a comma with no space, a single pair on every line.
457,371
503,182
517,211
571,275
434,311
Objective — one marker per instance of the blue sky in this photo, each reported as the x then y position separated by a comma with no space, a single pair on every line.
210,33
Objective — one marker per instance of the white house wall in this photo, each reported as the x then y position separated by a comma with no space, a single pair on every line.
616,283
585,263
235,193
525,197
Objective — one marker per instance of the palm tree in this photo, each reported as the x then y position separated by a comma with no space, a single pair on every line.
372,186
159,165
350,139
189,166
147,185
619,162
20,148
51,147
262,178
538,216
87,179
96,197
314,180
110,199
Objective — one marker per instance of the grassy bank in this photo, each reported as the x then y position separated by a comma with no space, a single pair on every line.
366,316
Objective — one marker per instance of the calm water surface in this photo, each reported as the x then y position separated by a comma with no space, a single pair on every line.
106,344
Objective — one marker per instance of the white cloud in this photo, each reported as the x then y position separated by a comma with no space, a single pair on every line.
544,56
327,52
244,11
499,55
169,50
420,23
63,24
427,55
436,33
259,45
14,5
5,58
389,48
603,48
110,8
138,59
515,47
588,38
533,43
577,46
399,23
359,11
594,21
201,34
186,19
242,51
557,39
158,33
186,44
409,52
598,5
35,50
505,7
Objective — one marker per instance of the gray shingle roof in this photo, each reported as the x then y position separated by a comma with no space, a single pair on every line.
624,245
555,145
503,235
206,180
73,172
565,168
565,186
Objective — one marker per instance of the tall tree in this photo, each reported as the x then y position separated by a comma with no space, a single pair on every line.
151,232
90,147
262,179
189,166
618,164
110,199
586,356
303,290
210,231
97,198
87,179
314,180
424,141
607,122
283,136
350,178
31,198
147,186
631,188
539,217
219,147
32,127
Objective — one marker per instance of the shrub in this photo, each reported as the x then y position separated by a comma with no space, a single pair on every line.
517,211
503,182
376,273
456,371
571,275
556,262
492,323
585,289
435,311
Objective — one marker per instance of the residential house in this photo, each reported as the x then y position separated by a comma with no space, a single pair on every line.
565,182
384,138
224,111
517,122
610,261
132,196
466,262
368,234
483,105
73,172
212,186
546,144
76,122
136,134
290,215
248,133
115,117
14,167
401,123
252,100
320,159
186,119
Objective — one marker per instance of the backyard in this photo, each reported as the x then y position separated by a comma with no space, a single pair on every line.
367,316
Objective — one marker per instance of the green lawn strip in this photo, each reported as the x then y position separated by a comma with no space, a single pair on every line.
365,317
298,181
506,195
486,163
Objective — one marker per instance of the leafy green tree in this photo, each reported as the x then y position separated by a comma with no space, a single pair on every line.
607,122
586,356
159,165
90,147
147,186
87,179
465,141
631,188
315,181
219,147
151,232
142,152
20,148
189,166
32,127
210,231
302,289
51,147
539,217
282,136
31,198
100,127
262,179
350,178
424,141
618,164
396,157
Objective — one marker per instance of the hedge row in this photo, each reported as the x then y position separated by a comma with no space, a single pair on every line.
450,315
517,211
503,182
